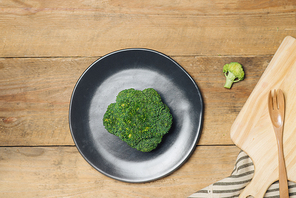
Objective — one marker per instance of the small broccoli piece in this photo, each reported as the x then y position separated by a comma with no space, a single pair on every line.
234,72
139,118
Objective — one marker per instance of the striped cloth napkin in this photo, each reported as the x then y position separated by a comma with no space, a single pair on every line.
233,185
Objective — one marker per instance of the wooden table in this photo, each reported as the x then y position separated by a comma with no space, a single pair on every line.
46,45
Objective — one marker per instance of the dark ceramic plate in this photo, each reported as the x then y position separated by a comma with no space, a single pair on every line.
138,69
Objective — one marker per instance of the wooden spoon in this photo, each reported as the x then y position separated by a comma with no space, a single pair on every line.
276,107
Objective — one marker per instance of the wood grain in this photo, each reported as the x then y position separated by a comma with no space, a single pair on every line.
37,28
46,45
62,172
35,95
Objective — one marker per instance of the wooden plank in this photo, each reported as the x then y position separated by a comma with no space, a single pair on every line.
35,95
62,172
153,7
90,28
222,105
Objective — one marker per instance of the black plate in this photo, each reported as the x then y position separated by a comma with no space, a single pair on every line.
138,69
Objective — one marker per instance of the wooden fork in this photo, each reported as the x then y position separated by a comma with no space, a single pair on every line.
276,107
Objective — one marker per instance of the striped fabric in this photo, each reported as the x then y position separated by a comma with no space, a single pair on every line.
233,185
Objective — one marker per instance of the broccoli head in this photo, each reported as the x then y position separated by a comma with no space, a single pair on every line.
139,118
234,72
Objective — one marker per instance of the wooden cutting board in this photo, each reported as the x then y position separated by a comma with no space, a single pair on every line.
252,130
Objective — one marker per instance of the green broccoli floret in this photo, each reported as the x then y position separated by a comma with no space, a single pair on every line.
139,118
234,72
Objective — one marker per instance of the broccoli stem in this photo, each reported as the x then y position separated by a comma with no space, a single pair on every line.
229,80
